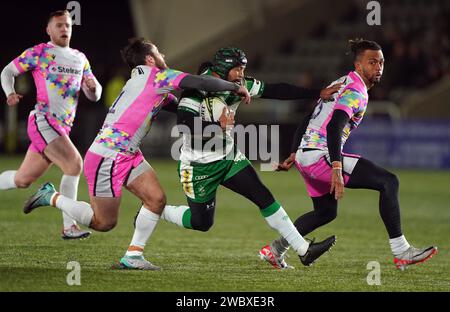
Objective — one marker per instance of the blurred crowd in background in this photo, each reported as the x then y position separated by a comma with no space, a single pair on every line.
414,36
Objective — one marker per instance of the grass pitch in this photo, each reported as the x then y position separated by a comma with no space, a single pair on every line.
33,257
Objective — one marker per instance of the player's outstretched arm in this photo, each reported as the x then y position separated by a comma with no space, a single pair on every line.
212,84
7,80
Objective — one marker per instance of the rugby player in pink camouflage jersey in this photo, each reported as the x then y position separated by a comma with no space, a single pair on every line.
114,159
59,73
317,154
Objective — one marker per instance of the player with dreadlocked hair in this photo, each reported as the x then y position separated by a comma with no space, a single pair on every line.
317,154
202,170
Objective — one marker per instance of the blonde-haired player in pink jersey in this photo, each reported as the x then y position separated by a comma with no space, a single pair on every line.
114,160
59,73
326,170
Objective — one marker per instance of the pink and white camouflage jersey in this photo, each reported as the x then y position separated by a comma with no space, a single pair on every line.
130,116
58,73
352,98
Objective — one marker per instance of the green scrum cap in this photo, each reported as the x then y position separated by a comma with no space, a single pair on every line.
227,58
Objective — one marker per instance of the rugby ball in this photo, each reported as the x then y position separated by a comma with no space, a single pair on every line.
212,108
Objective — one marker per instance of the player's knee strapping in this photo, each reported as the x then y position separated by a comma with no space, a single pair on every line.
202,215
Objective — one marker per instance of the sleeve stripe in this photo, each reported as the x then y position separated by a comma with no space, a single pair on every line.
190,103
186,109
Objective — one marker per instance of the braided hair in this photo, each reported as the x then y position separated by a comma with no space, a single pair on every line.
359,45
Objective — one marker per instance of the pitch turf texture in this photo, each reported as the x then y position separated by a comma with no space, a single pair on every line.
33,257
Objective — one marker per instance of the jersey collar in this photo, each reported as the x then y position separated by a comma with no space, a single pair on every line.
57,46
357,75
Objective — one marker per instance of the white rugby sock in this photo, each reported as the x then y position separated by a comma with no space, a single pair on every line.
278,219
179,215
77,210
399,245
69,188
146,222
7,180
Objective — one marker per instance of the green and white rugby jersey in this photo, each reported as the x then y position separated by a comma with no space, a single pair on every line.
205,150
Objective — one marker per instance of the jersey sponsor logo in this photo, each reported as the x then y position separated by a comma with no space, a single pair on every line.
201,177
65,70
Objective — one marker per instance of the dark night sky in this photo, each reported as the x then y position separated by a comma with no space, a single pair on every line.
105,27
104,30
